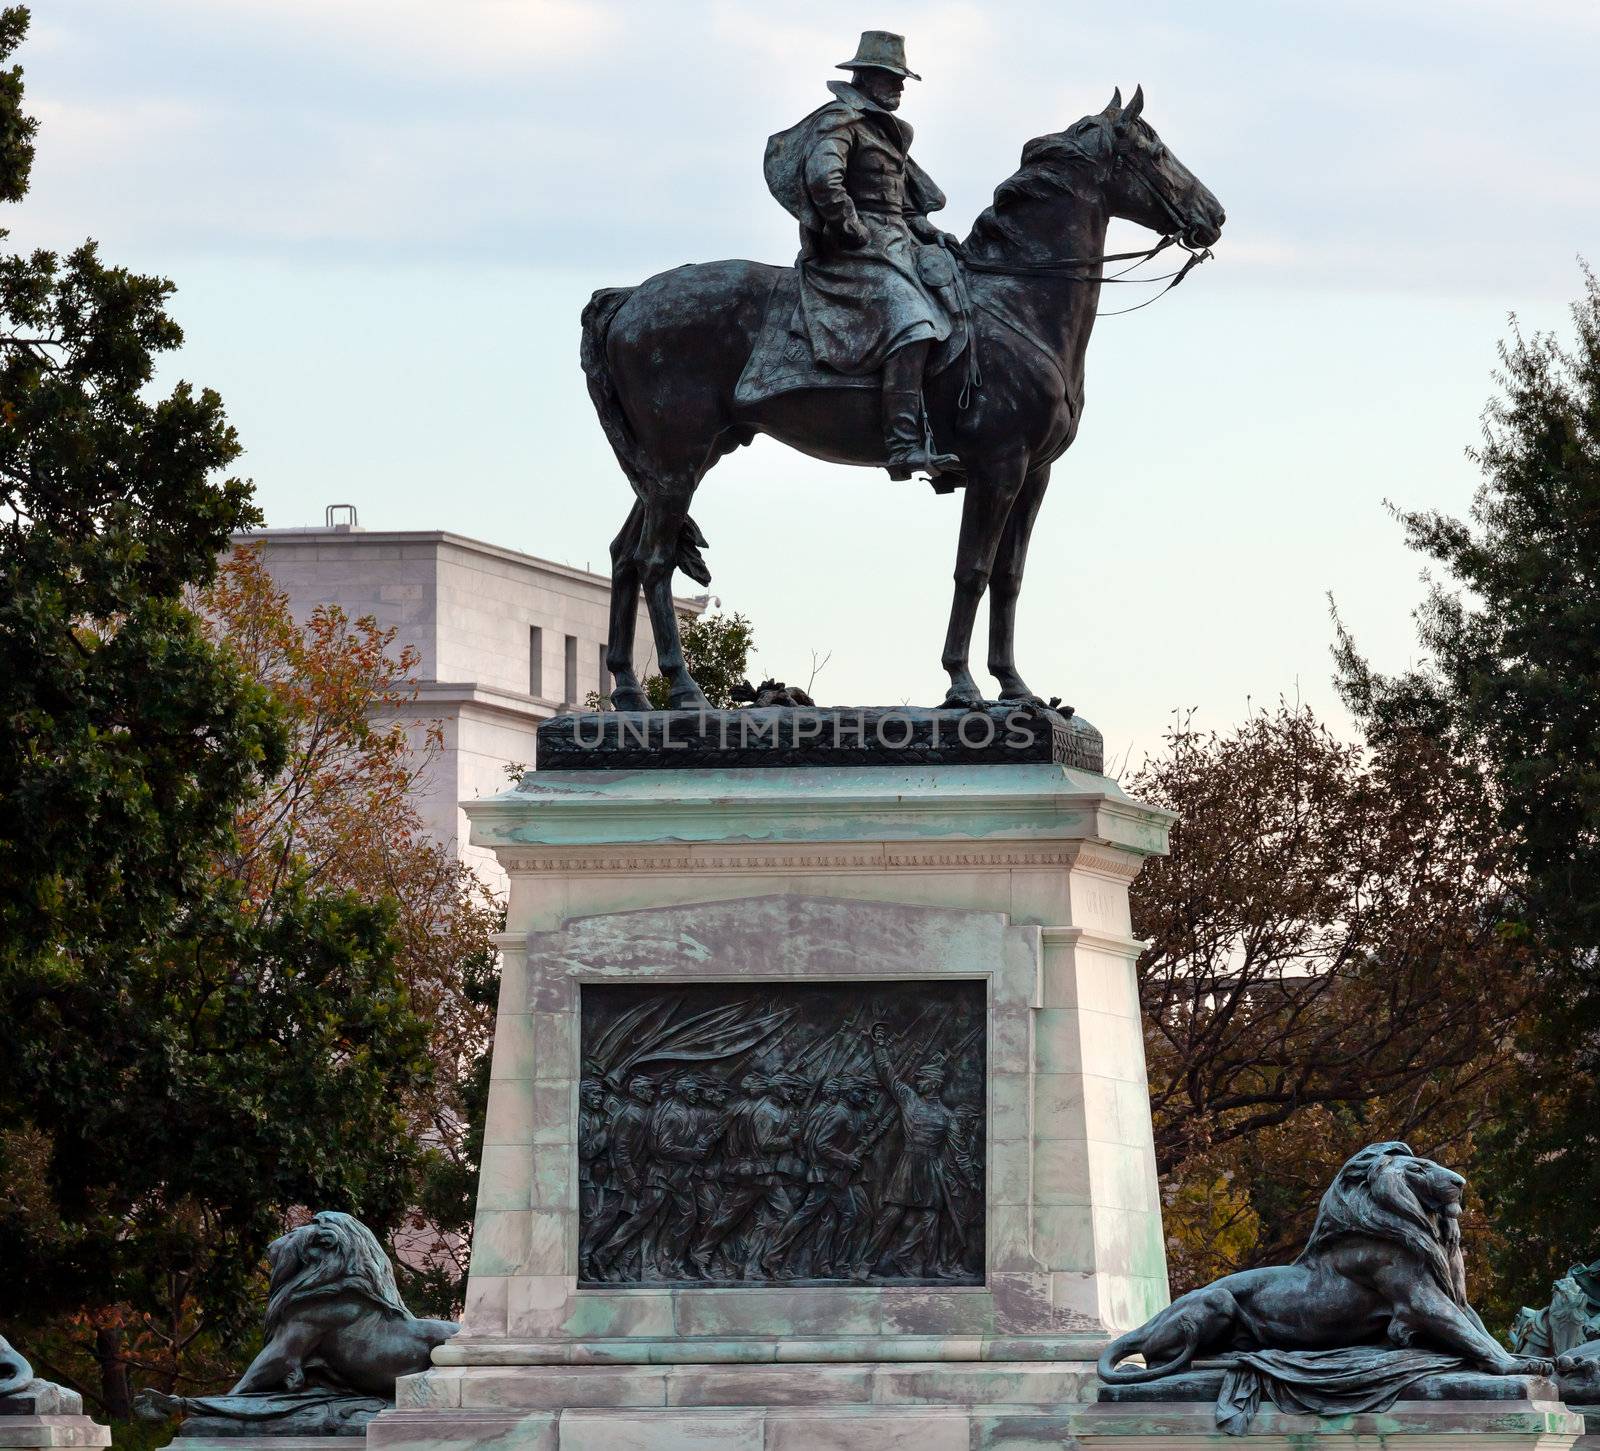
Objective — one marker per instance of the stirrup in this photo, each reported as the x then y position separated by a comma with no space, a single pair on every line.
930,463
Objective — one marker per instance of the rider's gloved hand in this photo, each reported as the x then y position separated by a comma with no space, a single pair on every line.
925,231
853,234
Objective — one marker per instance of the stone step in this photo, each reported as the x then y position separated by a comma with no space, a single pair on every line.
771,1428
1009,1383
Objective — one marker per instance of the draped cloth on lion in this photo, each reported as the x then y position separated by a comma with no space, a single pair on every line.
1322,1382
316,1410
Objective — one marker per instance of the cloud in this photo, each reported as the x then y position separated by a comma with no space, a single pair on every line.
554,133
97,133
465,35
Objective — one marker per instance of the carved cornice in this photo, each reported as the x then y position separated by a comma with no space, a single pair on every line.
1106,862
1129,947
999,857
617,813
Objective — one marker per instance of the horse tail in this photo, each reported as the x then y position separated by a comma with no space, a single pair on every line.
597,318
1133,1344
598,315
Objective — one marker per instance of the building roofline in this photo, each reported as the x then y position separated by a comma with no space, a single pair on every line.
312,534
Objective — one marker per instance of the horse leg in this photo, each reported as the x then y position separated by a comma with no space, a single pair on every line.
991,491
626,691
1006,585
657,559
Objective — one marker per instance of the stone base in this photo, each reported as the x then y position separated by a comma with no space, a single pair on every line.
266,1443
39,1431
1537,1420
788,736
770,1428
844,1406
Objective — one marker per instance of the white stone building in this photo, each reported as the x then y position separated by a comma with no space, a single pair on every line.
505,641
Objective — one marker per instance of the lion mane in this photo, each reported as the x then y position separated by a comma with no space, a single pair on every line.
1372,1196
332,1254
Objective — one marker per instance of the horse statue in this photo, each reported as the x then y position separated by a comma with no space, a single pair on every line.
664,360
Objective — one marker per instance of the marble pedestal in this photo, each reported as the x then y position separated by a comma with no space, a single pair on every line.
1536,1422
43,1414
41,1431
1014,877
266,1443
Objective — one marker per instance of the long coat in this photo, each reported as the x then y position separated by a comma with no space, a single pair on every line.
918,1178
852,157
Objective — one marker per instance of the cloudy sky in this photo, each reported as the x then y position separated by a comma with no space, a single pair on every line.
384,216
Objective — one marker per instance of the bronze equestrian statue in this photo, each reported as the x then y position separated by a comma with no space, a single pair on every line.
979,345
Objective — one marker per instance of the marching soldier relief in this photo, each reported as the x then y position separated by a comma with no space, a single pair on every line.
810,1133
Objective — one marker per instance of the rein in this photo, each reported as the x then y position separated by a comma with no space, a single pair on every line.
973,379
1066,267
1070,268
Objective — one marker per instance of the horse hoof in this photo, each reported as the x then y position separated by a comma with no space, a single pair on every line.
964,700
691,699
1025,700
629,698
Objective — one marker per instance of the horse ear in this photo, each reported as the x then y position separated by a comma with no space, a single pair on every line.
1130,112
1115,105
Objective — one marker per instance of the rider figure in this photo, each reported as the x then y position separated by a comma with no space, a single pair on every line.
870,260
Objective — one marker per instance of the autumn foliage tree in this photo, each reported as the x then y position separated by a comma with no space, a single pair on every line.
342,811
1325,968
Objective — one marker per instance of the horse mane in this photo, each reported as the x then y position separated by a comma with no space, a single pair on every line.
1054,165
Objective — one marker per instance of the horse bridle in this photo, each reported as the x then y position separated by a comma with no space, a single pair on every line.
1070,268
1136,166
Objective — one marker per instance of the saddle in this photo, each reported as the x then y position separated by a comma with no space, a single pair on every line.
782,360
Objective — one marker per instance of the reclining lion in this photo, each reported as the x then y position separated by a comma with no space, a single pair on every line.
1383,1264
338,1335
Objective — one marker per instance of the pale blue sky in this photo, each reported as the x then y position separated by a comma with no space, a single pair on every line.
384,216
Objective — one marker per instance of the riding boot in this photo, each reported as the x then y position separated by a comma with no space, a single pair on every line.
905,434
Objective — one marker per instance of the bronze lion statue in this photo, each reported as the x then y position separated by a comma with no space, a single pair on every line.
1383,1266
333,1301
337,1337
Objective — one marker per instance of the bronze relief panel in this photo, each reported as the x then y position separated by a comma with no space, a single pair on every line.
803,1133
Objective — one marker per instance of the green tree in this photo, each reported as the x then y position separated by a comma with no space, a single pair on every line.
1510,683
128,738
183,1061
715,648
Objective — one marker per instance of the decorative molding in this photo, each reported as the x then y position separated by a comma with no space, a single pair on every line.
1106,862
1129,947
876,807
787,860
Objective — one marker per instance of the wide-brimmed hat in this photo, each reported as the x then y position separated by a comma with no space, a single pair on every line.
880,50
